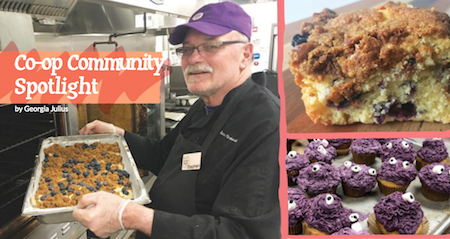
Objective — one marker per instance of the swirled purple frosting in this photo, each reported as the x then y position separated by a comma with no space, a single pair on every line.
359,180
321,151
365,146
433,151
297,162
397,173
327,215
436,178
296,212
398,214
323,180
349,231
338,142
399,149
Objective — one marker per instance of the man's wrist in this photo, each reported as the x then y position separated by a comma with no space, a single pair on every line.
138,217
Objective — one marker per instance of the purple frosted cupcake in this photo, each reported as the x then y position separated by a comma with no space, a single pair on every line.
364,151
395,175
435,179
318,178
357,179
325,215
341,145
295,162
320,151
432,151
399,213
297,202
399,149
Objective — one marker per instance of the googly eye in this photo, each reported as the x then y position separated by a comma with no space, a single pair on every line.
356,168
316,168
322,150
392,160
406,164
438,169
409,197
372,171
353,217
347,164
315,140
325,143
329,199
389,145
292,154
405,144
291,205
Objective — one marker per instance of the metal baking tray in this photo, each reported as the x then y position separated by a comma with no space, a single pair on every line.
437,213
64,214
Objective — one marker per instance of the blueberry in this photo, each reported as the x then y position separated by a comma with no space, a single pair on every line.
90,188
120,173
78,172
126,174
53,193
299,39
124,191
128,185
45,165
63,192
105,184
95,172
87,165
85,173
50,186
78,193
48,180
46,160
55,155
85,146
70,190
45,156
121,182
108,163
97,182
103,154
69,178
103,174
112,191
42,198
108,167
93,146
61,186
66,165
121,177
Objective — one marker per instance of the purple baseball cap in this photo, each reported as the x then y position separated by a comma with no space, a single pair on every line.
214,20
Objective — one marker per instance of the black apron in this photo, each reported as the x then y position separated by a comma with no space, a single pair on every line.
174,190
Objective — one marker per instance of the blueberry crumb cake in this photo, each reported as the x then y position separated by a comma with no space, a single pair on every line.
69,172
390,63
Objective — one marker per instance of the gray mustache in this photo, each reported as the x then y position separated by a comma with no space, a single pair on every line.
192,69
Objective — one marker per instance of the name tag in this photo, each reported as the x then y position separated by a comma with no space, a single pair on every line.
191,161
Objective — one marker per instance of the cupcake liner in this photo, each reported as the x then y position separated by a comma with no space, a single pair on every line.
376,228
342,152
387,187
290,174
333,191
367,159
311,230
433,195
351,192
296,229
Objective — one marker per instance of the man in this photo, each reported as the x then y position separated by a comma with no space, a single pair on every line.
218,172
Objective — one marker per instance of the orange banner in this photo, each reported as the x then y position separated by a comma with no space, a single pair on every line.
81,77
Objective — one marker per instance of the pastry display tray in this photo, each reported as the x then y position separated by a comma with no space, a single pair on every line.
64,214
437,213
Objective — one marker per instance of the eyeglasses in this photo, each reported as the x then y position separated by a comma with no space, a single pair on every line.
205,49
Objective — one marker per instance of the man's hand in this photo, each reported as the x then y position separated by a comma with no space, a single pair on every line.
100,127
100,213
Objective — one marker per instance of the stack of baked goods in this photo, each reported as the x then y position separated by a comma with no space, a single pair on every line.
390,63
397,178
69,172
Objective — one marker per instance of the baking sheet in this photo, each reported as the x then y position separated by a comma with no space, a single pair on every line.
438,213
64,214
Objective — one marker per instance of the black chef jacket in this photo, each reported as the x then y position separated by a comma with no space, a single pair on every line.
235,192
